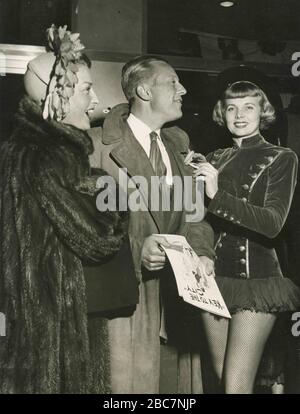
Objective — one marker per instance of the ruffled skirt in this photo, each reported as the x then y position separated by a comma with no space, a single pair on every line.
271,294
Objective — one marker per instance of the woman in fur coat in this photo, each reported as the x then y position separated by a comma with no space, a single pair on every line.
50,227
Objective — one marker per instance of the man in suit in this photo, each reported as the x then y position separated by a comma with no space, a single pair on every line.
133,137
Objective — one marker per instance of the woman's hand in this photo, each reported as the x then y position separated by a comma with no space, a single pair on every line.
194,158
210,176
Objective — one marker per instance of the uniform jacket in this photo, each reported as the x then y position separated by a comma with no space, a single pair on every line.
256,186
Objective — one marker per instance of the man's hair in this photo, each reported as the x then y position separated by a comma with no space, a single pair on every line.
241,89
137,70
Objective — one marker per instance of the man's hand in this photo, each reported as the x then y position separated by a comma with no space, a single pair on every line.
206,266
153,256
210,176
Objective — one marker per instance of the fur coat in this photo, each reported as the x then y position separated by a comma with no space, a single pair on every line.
49,227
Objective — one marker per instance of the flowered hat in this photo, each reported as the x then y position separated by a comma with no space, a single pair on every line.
51,77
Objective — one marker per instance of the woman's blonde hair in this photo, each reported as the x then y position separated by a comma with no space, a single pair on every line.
241,89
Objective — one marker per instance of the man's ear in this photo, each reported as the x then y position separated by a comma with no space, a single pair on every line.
143,92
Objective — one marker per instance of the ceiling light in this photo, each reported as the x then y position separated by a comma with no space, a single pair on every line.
226,3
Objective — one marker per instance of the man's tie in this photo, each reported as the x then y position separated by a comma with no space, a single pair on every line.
156,157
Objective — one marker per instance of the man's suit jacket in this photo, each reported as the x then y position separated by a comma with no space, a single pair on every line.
134,341
116,148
